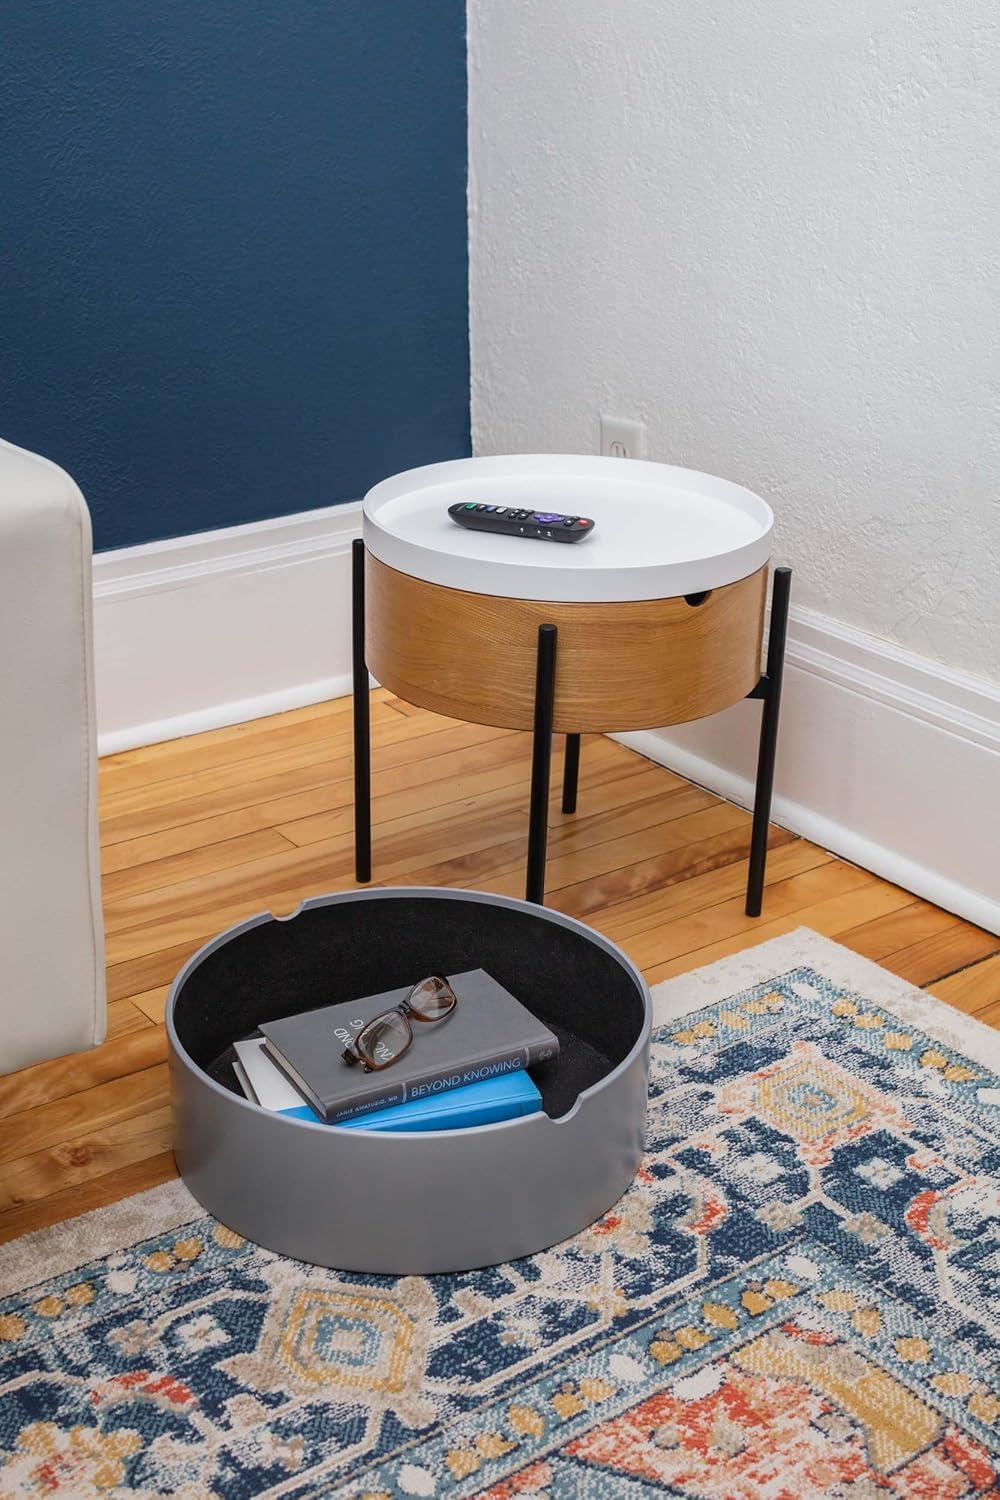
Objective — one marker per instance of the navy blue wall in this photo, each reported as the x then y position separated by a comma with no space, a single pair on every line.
233,251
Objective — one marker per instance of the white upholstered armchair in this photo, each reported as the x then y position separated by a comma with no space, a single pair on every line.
52,997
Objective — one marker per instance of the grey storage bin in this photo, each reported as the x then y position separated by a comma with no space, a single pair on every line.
429,1201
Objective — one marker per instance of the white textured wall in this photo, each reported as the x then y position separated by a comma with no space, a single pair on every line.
770,230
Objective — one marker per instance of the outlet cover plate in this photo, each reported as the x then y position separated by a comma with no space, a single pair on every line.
621,437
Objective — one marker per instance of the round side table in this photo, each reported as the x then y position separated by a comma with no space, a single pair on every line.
656,618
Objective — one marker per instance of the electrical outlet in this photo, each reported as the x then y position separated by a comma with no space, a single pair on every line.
621,438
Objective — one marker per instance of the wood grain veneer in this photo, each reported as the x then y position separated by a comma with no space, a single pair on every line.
634,665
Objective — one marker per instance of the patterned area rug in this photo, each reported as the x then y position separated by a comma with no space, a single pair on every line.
798,1297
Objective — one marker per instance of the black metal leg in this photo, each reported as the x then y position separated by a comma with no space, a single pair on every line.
541,763
571,773
768,689
362,721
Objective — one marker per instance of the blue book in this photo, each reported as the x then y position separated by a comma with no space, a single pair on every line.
482,1103
485,1103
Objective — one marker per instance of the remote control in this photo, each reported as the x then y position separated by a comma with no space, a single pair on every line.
509,520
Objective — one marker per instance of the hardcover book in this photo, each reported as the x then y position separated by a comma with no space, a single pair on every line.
489,1034
486,1103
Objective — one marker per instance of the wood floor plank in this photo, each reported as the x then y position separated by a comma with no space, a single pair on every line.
447,767
588,860
76,1199
603,881
312,743
510,773
207,908
613,819
975,989
687,934
318,751
499,866
698,890
260,749
123,1017
900,929
830,918
944,954
152,1003
619,811
150,970
163,752
208,803
603,787
46,1081
91,1154
92,1109
990,1017
210,857
235,742
166,916
618,883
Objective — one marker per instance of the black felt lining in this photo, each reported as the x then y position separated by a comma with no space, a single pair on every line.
355,948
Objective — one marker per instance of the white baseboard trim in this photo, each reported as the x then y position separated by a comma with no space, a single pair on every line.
222,627
885,758
219,715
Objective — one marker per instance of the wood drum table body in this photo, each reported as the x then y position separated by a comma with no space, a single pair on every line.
656,618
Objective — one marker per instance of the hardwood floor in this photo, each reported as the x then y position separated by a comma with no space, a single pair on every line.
201,832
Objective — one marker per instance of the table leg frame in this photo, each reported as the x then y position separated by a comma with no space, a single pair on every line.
541,763
571,773
362,721
768,690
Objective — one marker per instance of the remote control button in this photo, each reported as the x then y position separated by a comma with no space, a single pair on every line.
470,506
546,517
582,522
571,520
500,509
480,507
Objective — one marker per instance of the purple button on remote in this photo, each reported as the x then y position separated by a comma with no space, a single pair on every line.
546,517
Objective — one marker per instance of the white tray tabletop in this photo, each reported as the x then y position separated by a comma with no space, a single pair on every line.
660,531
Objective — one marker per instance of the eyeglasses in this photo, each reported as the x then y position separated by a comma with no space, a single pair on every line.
385,1038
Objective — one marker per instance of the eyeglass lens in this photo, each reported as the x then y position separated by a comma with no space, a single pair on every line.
432,999
384,1039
